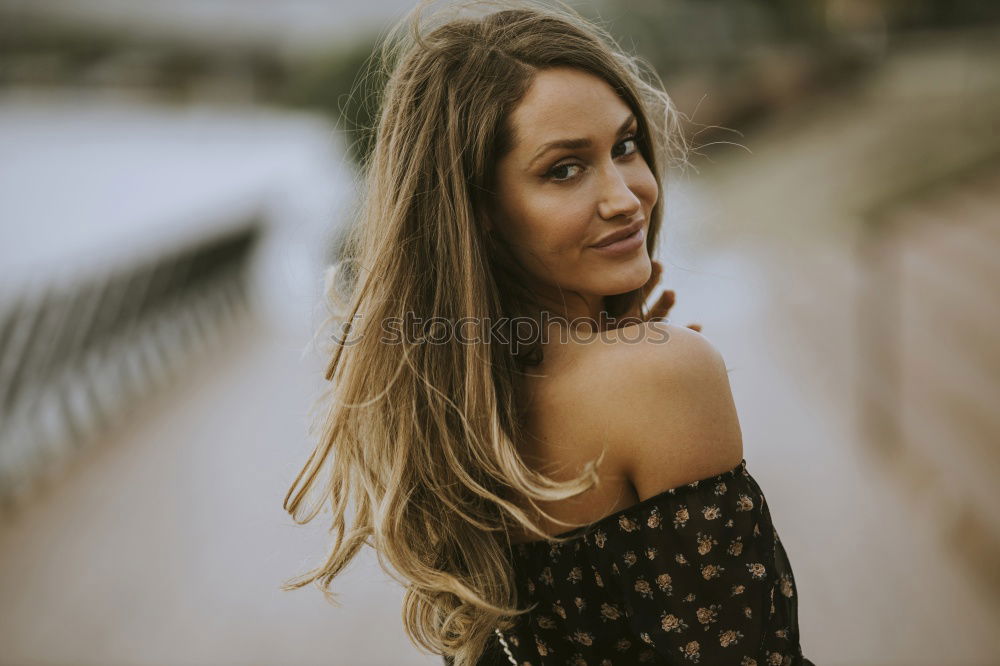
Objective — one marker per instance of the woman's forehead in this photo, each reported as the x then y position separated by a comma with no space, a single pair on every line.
566,104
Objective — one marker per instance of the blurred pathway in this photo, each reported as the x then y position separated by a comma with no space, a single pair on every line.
168,545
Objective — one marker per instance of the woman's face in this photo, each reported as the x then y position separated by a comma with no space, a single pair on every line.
575,175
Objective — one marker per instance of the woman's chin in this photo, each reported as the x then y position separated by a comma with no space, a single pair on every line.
629,277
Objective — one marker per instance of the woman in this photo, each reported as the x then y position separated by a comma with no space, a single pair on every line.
555,476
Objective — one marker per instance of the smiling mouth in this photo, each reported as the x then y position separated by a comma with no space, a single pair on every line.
618,237
625,245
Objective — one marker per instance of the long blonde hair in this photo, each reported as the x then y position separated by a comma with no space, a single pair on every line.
424,436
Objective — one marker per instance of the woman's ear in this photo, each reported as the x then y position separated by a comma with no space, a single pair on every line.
490,210
489,225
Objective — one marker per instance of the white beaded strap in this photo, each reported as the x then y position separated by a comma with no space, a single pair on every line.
506,648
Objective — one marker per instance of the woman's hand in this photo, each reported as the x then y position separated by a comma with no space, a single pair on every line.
662,306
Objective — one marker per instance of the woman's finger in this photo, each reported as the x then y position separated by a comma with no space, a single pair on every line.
663,304
654,278
695,327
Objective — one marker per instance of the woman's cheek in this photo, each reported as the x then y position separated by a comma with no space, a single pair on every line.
646,184
572,220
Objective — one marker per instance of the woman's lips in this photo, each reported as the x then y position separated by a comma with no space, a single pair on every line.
625,245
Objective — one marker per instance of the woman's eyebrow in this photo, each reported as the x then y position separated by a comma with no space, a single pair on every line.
573,144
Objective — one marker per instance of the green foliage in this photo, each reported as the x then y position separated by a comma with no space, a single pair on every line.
345,84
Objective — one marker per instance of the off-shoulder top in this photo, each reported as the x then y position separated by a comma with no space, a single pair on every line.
693,575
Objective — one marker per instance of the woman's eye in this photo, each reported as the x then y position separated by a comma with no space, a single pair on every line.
556,170
632,140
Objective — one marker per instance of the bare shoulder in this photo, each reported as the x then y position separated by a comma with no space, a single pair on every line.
663,392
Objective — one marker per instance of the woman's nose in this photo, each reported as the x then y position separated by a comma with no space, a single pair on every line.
617,198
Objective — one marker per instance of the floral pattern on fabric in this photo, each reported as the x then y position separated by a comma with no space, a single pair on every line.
694,575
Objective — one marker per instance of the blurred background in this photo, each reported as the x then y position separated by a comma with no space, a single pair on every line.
174,177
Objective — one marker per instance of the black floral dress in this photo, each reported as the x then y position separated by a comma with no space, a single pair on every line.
693,575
